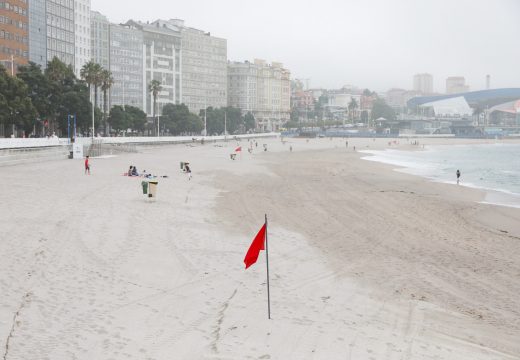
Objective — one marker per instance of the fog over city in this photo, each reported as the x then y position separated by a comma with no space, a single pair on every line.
377,44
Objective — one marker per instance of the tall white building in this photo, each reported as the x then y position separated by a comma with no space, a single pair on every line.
262,89
99,39
126,65
82,34
423,83
204,69
456,84
162,62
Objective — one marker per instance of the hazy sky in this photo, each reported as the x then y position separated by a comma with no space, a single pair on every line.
377,44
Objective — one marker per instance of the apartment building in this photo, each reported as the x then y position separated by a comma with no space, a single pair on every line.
162,62
456,84
38,32
423,83
203,68
100,39
126,65
82,34
60,30
14,38
262,89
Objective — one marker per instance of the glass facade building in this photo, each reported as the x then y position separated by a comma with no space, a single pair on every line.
37,33
126,65
60,30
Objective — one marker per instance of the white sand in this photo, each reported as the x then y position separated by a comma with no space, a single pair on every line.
366,263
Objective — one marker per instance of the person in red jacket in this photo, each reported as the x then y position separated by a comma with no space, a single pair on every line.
87,166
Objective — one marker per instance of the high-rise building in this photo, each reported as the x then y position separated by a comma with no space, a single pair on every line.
126,65
38,33
203,69
162,62
60,30
82,34
100,39
262,89
14,39
456,84
423,83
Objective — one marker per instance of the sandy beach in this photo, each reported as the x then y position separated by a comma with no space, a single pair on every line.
366,262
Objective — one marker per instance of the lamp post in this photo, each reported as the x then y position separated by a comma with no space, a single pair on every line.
205,118
93,112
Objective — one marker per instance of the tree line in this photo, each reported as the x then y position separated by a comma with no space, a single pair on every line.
39,102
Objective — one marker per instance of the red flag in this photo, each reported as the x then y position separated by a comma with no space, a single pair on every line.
238,149
254,250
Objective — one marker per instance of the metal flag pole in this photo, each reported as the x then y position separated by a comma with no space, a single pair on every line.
267,263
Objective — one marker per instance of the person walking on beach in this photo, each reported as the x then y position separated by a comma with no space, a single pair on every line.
346,143
458,176
188,170
87,166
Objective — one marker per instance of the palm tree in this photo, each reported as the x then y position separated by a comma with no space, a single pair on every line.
106,83
352,106
91,73
154,87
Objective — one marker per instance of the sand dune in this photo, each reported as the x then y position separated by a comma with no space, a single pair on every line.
366,263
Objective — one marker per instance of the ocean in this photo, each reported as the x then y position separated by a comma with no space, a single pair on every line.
493,167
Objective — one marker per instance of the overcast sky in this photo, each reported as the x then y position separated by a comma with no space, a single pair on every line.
376,44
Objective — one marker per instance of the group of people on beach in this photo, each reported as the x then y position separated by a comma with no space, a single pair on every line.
132,171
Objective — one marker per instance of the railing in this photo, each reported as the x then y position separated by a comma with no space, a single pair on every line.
14,143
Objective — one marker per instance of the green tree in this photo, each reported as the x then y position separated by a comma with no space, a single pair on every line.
39,89
137,118
249,121
119,119
17,108
91,73
68,97
352,106
106,83
234,120
178,120
215,120
154,88
381,109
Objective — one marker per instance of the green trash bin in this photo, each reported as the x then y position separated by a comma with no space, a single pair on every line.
144,184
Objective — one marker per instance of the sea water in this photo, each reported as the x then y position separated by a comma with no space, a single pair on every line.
493,167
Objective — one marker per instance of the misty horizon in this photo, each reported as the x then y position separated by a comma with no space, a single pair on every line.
371,44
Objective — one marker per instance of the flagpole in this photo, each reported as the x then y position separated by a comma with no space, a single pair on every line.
267,263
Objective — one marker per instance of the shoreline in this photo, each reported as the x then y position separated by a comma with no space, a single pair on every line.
493,196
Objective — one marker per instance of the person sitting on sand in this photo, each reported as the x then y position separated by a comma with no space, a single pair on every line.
134,171
129,173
